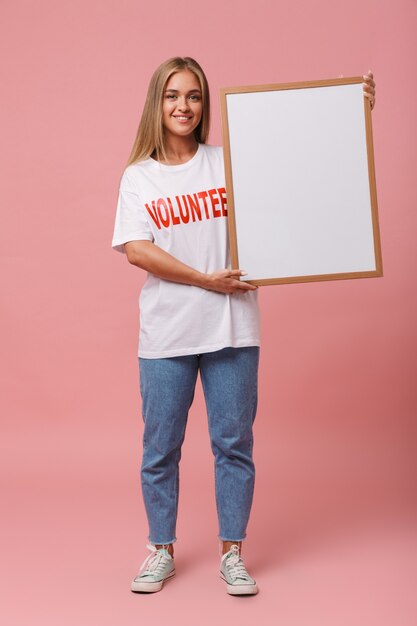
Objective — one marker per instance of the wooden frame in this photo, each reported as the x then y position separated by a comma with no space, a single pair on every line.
300,180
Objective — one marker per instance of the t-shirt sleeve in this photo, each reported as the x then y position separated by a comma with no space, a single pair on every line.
131,222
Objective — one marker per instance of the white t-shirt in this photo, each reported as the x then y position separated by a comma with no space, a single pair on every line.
183,210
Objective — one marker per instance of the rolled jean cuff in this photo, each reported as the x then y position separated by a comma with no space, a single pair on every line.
235,540
161,543
221,543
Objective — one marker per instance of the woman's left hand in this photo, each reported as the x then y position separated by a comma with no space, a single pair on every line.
369,88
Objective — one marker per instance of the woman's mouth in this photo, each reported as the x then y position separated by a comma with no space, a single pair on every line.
183,119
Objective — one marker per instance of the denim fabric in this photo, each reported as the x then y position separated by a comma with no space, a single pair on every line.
230,383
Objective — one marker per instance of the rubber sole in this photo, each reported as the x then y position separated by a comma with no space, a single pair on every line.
239,590
145,587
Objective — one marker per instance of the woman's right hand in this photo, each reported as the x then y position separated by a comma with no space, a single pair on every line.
227,281
148,256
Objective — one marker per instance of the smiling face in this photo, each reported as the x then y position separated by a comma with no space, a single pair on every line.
182,106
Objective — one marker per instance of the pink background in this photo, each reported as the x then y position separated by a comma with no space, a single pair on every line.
332,536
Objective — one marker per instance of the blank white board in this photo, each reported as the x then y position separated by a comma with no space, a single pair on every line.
300,181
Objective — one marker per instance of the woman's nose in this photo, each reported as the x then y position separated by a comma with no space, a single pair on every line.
183,104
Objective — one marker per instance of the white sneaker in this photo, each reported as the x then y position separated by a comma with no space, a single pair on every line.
154,571
235,575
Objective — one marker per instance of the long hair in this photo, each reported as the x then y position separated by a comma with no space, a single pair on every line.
150,137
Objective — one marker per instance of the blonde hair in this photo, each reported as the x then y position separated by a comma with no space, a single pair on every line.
150,135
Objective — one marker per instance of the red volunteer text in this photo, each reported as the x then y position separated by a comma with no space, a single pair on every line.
195,207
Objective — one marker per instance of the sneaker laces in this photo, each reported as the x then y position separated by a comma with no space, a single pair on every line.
154,562
235,565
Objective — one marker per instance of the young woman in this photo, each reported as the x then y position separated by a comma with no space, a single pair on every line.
195,316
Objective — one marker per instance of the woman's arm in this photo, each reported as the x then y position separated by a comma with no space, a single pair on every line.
150,257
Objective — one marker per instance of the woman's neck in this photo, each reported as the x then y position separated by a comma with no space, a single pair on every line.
180,149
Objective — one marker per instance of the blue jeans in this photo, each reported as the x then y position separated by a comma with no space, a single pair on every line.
230,384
